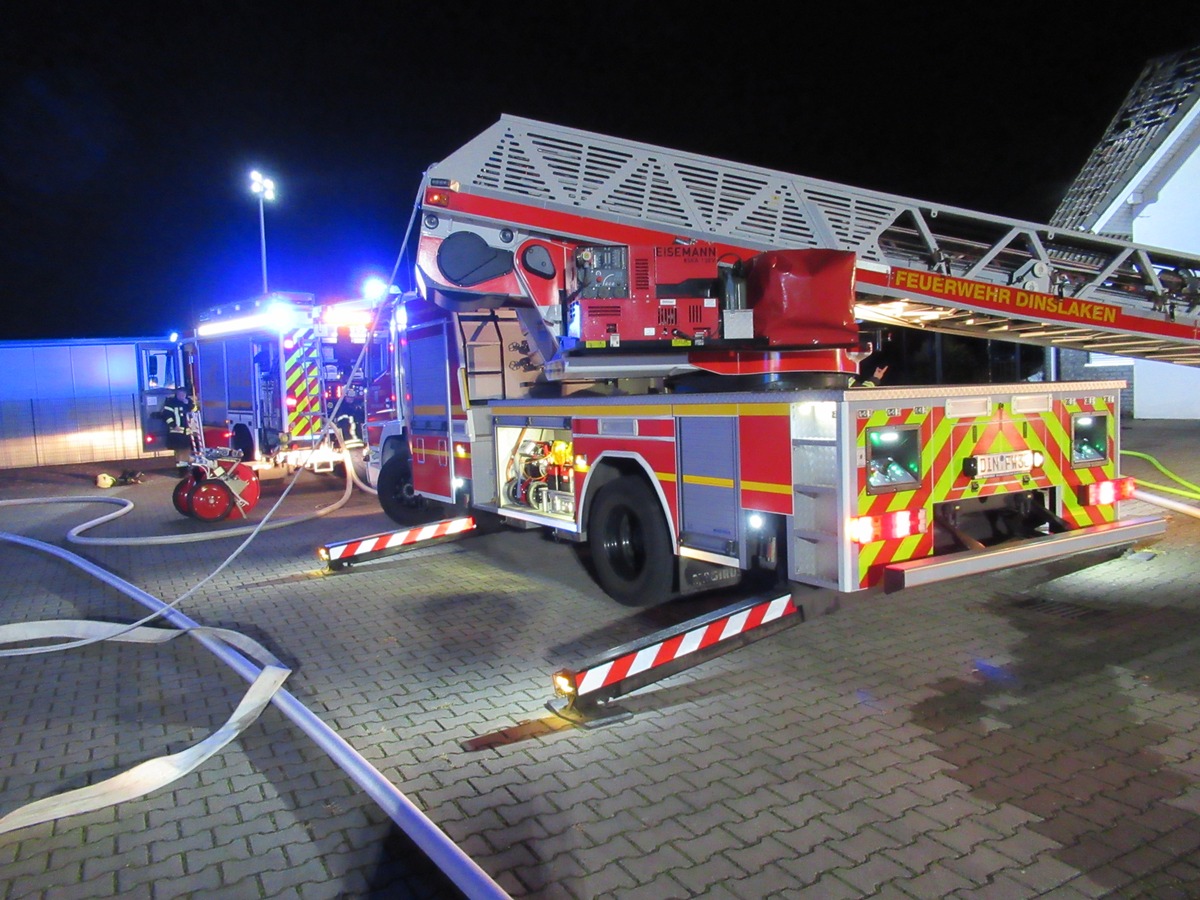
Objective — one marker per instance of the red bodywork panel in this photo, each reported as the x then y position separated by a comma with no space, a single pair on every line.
803,298
766,477
217,436
748,362
431,466
623,321
677,264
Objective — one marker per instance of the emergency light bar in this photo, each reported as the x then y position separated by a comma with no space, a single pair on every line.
276,317
347,315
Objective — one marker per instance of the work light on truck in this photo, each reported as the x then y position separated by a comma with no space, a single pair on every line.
564,683
1100,493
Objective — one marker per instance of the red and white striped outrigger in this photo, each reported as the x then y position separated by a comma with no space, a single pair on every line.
641,663
340,554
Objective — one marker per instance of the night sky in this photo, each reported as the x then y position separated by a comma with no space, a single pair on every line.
127,131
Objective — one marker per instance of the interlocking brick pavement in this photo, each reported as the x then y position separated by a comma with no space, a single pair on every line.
1027,733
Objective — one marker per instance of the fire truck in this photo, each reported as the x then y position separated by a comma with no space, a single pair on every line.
268,371
654,354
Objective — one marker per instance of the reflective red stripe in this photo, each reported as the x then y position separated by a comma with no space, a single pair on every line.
378,542
680,645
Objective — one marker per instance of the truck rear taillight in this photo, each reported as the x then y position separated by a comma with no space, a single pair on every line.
437,197
1103,492
889,526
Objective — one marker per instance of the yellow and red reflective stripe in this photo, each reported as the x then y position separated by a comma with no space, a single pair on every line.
1074,511
302,386
872,556
947,442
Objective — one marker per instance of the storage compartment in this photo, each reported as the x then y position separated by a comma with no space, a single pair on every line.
538,466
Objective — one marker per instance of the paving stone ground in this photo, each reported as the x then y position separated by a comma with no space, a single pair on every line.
1028,733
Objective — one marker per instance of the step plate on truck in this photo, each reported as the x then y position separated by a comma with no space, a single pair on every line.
972,562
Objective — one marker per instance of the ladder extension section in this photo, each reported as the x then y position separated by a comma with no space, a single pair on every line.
920,264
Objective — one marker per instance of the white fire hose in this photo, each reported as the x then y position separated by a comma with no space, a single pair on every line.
1166,503
238,652
1189,490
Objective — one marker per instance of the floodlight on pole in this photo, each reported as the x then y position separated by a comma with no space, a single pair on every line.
374,288
265,189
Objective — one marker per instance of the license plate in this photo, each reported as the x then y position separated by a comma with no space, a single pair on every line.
990,465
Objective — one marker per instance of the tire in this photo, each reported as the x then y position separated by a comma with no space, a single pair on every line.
211,500
395,488
629,543
179,496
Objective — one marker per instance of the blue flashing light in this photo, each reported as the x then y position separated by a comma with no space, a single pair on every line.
374,288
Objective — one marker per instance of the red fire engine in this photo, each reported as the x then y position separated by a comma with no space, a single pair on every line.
267,372
652,352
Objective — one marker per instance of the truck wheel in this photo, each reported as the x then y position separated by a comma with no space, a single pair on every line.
395,488
630,544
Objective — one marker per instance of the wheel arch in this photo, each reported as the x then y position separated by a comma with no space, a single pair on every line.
393,444
610,466
242,438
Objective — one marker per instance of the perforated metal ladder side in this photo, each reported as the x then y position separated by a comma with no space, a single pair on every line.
1148,293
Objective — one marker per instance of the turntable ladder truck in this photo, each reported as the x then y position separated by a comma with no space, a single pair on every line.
653,352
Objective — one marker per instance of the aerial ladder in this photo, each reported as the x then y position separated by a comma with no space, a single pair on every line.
918,264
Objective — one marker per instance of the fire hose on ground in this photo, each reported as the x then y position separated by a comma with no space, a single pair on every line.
237,652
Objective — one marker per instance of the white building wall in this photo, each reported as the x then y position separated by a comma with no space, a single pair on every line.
1167,217
1174,221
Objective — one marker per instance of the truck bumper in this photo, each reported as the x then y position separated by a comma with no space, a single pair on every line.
913,573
